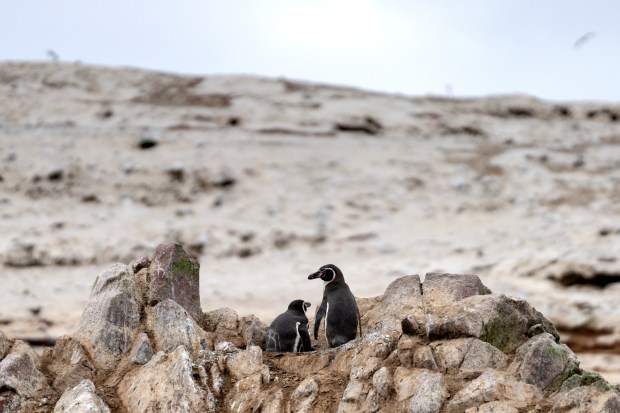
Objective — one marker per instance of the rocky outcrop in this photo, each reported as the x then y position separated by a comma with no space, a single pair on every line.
445,345
80,399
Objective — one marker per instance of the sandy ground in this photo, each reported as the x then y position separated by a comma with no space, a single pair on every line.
265,180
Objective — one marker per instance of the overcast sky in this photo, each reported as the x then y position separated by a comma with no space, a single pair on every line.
459,47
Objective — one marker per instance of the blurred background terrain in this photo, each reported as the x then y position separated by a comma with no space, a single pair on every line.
265,178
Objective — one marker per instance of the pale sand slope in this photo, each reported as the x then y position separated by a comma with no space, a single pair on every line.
265,180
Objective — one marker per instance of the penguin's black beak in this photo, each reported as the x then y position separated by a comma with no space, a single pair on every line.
317,274
306,305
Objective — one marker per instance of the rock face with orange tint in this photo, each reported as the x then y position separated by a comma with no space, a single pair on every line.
445,345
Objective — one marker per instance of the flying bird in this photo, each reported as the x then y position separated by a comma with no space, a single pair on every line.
584,39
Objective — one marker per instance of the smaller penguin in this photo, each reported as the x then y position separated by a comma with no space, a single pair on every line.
289,331
339,308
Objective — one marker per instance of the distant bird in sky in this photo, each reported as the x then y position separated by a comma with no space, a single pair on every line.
53,56
584,39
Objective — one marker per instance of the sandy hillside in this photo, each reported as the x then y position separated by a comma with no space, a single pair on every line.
265,180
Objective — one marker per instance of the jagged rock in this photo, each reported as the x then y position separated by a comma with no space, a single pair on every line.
226,347
304,395
402,298
165,383
175,276
381,381
406,348
295,362
496,319
224,323
19,372
467,355
245,395
20,346
5,345
82,398
583,378
142,350
253,331
246,363
69,364
272,403
111,318
494,407
423,358
221,321
445,346
352,397
172,326
419,391
588,399
494,385
139,263
362,361
9,400
445,289
544,363
248,369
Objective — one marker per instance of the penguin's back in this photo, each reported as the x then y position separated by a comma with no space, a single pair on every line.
282,335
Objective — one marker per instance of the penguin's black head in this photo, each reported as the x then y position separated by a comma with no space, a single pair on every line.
299,305
327,273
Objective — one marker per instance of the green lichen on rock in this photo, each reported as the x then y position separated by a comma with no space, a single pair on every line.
184,265
558,353
571,369
500,335
581,378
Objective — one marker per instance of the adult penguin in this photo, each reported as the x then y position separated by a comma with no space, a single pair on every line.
342,317
289,331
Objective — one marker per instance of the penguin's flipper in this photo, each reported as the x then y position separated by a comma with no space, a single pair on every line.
305,337
320,313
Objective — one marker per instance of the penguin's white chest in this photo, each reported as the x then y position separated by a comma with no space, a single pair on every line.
298,338
326,314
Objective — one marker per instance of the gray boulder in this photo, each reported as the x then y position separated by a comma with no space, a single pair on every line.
588,399
5,345
496,319
166,383
544,363
419,391
172,326
142,350
446,289
82,398
69,364
111,319
494,385
175,276
20,373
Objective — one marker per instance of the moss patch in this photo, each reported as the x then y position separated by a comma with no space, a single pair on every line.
184,265
571,366
558,353
500,335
